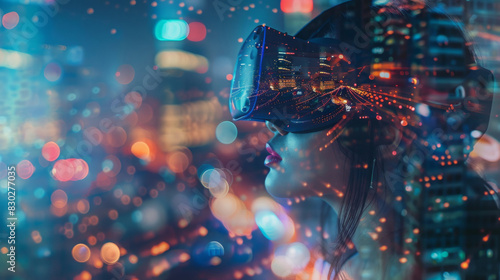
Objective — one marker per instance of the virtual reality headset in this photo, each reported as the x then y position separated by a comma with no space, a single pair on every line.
298,83
305,86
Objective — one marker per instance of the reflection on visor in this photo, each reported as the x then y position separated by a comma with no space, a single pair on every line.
282,77
312,85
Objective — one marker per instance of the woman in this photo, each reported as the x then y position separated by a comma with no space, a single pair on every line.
374,109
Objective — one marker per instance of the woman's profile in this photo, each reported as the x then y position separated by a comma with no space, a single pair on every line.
375,110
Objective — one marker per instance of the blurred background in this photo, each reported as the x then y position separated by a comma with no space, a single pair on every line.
115,114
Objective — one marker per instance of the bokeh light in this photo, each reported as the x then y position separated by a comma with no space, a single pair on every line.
81,253
110,253
197,32
140,150
226,132
50,151
171,30
10,20
270,225
296,6
25,169
125,74
52,72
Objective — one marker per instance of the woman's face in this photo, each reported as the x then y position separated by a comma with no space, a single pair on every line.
299,168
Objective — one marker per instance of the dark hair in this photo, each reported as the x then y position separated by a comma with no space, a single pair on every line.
362,149
359,143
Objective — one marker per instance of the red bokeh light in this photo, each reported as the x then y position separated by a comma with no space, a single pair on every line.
50,151
197,32
297,6
10,20
72,169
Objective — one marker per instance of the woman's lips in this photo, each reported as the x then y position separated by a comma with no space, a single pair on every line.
273,158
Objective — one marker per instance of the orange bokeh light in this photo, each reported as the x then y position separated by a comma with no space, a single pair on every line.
81,253
110,253
140,150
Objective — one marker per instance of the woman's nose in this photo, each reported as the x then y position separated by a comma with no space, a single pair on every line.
274,128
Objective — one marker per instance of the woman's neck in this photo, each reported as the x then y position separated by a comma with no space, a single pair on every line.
372,239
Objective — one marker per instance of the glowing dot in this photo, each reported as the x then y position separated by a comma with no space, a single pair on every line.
83,206
134,98
63,170
476,133
50,151
465,264
125,74
113,31
229,77
383,248
85,275
80,168
178,162
81,253
486,238
116,136
90,11
184,257
298,256
281,267
403,260
52,72
140,150
214,249
423,110
270,225
203,231
240,40
171,30
385,75
37,238
197,32
133,259
10,20
110,253
215,261
297,6
226,132
59,199
224,207
113,214
25,169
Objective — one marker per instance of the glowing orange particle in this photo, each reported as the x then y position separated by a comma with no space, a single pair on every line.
110,253
81,253
59,199
140,150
